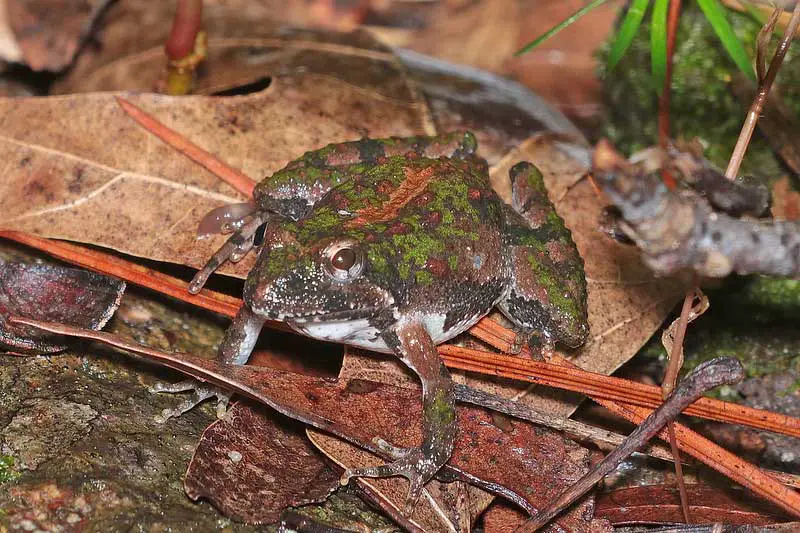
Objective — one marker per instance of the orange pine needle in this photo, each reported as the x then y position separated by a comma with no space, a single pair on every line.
235,178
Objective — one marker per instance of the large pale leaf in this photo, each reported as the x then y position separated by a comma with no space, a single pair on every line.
76,167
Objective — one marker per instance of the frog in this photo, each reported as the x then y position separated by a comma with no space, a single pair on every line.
396,245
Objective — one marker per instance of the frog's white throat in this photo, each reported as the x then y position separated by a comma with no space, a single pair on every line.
363,334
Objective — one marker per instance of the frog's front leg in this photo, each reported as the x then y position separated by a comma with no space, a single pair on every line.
412,343
237,345
234,249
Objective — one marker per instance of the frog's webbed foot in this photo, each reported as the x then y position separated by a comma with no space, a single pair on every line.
200,393
540,345
522,337
235,349
414,464
234,249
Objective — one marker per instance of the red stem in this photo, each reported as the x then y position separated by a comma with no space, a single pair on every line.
185,25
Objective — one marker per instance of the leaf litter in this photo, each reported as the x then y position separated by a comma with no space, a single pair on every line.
175,168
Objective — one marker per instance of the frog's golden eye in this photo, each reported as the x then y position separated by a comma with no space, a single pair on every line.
343,260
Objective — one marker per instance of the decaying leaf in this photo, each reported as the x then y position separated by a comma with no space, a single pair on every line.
660,504
53,293
48,33
534,462
252,464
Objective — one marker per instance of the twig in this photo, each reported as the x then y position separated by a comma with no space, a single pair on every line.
711,374
679,229
668,385
664,99
764,86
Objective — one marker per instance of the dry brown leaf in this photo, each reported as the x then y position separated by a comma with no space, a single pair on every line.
48,33
254,463
78,168
785,200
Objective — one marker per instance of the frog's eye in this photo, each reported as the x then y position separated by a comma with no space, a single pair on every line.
343,260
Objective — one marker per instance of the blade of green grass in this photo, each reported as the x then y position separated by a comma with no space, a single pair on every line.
658,44
716,16
558,27
633,19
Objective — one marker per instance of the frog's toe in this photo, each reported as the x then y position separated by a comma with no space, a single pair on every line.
200,393
240,251
541,347
389,448
522,337
413,465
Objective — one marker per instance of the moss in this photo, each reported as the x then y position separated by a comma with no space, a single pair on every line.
323,222
423,277
452,261
7,471
753,319
556,289
415,249
702,103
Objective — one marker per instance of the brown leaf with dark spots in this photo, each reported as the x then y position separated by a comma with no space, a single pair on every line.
502,518
53,293
535,462
254,463
660,504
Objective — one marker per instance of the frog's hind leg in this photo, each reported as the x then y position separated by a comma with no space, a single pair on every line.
412,343
234,249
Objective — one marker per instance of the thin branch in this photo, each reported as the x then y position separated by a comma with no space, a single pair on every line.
764,86
705,377
668,385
